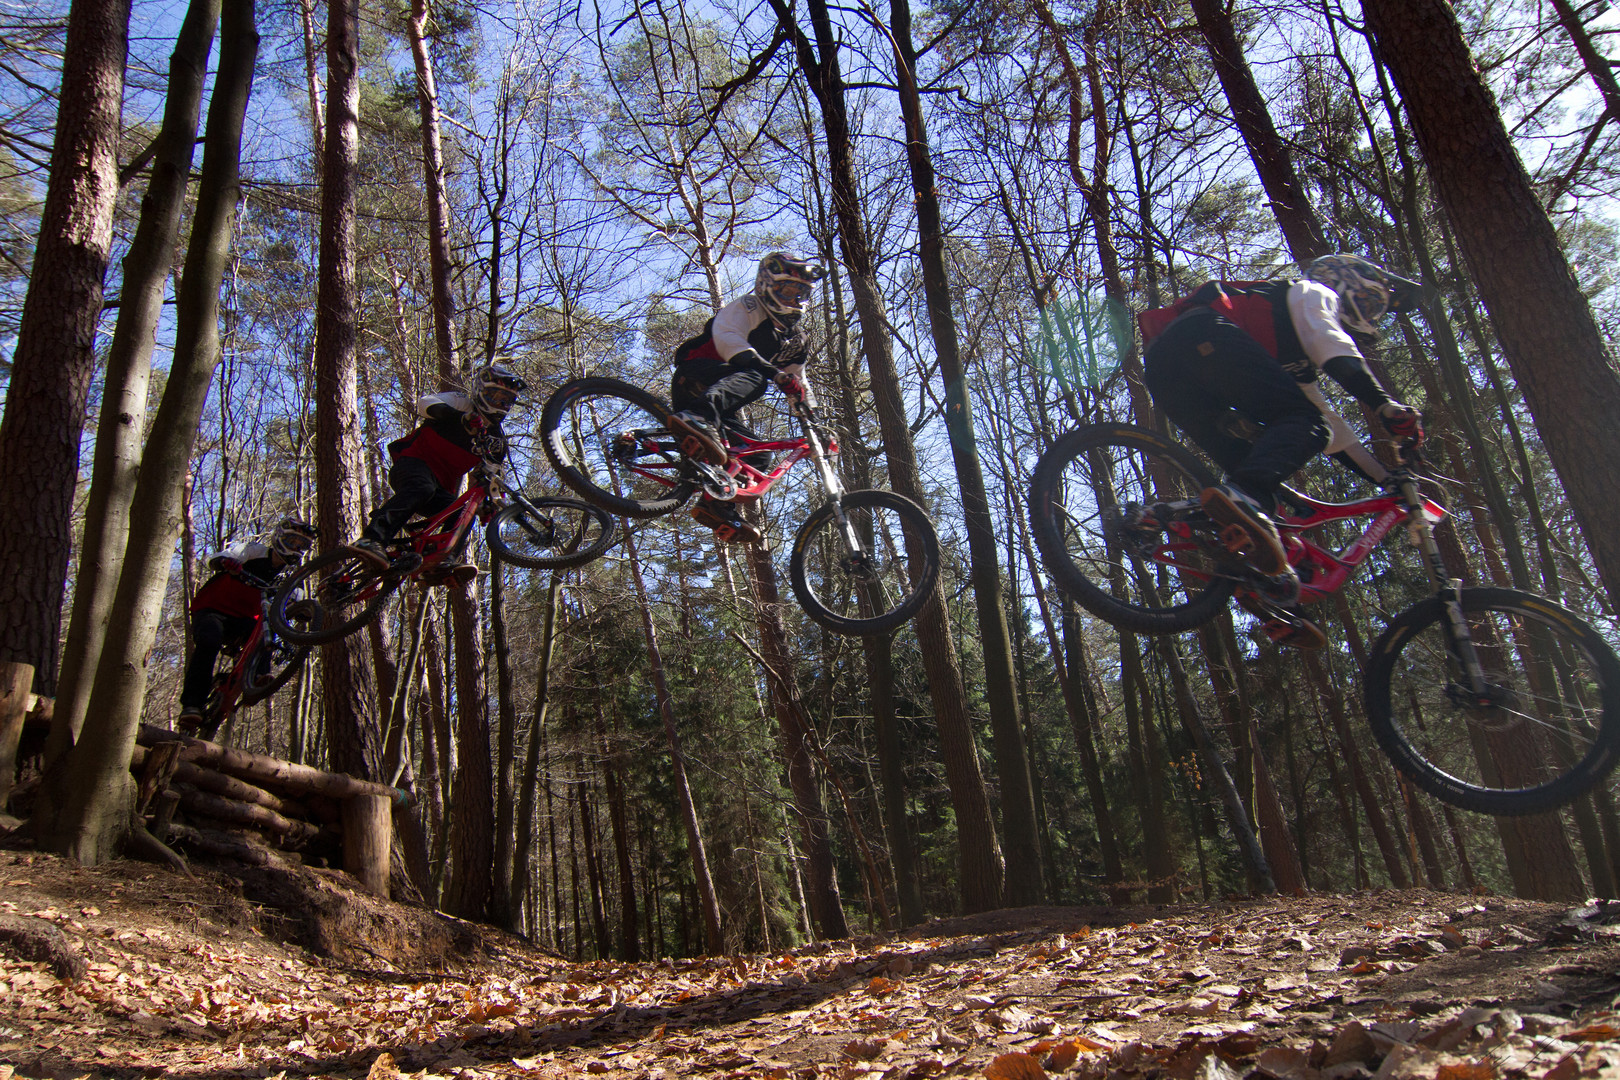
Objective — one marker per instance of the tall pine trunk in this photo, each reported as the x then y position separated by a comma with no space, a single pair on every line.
129,366
354,743
55,356
1020,829
89,803
980,853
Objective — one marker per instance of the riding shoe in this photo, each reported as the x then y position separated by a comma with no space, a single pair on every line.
1247,531
699,439
372,551
729,526
189,720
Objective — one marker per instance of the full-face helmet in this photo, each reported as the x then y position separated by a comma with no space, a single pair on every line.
1366,291
783,283
495,388
292,538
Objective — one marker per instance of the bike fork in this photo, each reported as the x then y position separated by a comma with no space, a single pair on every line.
835,487
1459,639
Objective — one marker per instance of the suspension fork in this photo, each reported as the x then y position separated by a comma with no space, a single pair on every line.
1459,640
829,476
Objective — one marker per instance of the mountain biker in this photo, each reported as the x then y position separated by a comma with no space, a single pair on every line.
1256,348
460,430
753,341
224,608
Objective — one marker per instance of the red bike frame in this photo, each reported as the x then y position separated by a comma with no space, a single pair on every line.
1322,573
1326,572
751,482
429,539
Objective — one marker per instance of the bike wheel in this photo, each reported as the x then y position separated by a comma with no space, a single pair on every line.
1115,512
276,662
875,589
608,442
549,534
1548,729
329,598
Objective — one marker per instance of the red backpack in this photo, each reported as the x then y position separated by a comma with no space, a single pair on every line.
1247,303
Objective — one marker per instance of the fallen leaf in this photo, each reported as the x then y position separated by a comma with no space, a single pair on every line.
864,1049
1015,1066
383,1068
1286,1063
1593,1033
1470,1070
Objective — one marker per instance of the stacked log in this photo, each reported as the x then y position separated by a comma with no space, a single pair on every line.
223,791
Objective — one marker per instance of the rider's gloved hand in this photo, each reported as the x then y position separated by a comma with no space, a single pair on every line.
474,422
1402,422
788,381
230,565
489,446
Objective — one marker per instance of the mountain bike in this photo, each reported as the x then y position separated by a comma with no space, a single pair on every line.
338,592
1493,700
265,660
863,562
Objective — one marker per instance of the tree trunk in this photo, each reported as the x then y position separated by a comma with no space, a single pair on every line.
472,825
55,356
523,846
88,802
826,906
129,364
1020,829
1544,321
438,206
1286,194
708,903
354,743
981,864
504,912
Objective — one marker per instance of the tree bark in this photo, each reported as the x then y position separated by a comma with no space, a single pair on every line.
472,815
55,356
354,742
1301,228
708,903
1544,321
87,813
1020,828
981,863
129,366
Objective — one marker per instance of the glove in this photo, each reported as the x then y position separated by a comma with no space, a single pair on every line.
474,422
230,565
789,383
1402,422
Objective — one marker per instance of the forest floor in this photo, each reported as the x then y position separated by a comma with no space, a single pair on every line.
192,978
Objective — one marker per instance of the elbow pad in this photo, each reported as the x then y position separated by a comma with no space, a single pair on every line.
1351,373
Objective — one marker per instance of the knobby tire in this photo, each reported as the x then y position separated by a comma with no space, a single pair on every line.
1557,734
1085,477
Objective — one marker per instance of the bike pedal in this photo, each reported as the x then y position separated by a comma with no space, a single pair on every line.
1236,540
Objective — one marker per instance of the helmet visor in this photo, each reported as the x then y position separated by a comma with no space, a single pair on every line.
497,398
790,293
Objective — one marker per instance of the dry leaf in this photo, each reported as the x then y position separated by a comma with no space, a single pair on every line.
1015,1066
1061,1056
1286,1063
1592,1033
383,1068
864,1049
1470,1070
